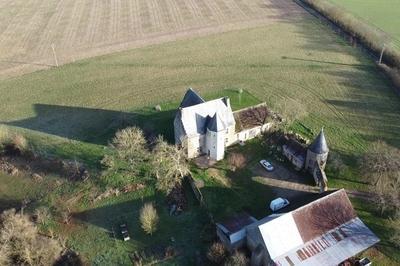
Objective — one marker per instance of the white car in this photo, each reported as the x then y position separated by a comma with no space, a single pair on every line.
365,262
278,204
267,165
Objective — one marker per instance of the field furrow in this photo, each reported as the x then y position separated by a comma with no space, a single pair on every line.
86,28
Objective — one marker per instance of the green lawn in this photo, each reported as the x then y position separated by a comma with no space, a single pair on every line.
299,68
384,14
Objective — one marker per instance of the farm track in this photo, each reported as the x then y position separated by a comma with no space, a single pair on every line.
82,29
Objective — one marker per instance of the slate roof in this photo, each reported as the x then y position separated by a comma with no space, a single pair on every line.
195,119
216,124
191,98
323,232
296,148
319,145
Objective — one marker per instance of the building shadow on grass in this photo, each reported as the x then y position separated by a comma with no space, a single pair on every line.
94,125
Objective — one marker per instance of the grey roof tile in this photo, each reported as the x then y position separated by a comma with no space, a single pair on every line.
319,145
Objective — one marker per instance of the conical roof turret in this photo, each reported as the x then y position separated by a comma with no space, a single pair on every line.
319,145
216,124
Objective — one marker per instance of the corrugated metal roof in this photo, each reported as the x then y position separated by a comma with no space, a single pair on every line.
331,248
323,232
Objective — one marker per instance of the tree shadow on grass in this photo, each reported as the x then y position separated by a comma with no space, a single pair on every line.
6,204
187,233
93,125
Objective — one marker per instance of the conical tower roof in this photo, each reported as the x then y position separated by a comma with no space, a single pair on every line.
216,124
319,145
191,98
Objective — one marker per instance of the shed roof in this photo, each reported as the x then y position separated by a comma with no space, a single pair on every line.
323,232
319,145
237,222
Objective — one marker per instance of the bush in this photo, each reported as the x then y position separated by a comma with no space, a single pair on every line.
21,243
149,218
395,238
12,143
336,163
20,142
237,259
217,253
237,160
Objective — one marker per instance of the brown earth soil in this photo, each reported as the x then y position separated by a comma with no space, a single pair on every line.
29,30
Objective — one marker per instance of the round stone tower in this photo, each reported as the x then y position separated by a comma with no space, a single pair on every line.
317,153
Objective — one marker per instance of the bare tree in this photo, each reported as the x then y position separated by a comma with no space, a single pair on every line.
170,165
381,166
21,243
124,160
130,144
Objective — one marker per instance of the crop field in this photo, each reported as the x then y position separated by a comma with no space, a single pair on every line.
272,50
384,14
84,28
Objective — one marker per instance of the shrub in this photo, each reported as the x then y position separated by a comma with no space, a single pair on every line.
217,253
336,163
149,218
21,243
237,160
395,238
20,142
237,259
42,215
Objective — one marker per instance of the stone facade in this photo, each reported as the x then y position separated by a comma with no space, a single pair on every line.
312,158
207,128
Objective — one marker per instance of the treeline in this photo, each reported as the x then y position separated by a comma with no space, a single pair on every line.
370,36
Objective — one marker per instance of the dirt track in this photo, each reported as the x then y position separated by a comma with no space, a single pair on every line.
85,28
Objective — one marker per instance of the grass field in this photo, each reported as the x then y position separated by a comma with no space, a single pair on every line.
327,83
84,28
384,14
295,64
